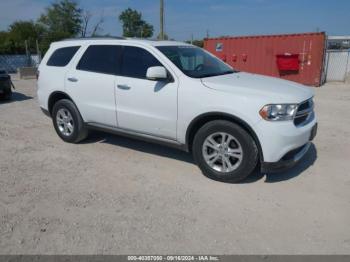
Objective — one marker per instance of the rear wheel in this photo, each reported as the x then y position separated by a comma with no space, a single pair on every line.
8,95
68,122
224,151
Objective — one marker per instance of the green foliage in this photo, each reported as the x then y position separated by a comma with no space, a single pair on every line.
64,19
134,25
5,43
61,20
13,41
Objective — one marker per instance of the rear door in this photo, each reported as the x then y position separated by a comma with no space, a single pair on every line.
145,106
90,83
53,69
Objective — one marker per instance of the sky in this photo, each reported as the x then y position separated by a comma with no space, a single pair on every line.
219,17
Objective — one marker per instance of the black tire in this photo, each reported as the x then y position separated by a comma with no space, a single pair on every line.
8,95
80,132
249,156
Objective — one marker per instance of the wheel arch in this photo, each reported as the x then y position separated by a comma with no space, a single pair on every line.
202,119
56,96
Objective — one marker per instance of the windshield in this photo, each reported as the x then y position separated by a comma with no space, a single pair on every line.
195,62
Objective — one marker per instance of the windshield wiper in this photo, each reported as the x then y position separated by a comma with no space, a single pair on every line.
218,74
228,72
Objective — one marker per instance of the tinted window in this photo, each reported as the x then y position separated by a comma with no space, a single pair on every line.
136,61
101,59
62,56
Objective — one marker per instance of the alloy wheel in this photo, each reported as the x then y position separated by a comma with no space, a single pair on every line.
222,152
65,122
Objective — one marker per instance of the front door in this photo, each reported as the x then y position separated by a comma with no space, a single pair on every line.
145,106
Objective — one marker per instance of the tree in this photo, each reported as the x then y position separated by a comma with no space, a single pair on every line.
21,31
63,18
86,16
5,43
134,25
13,41
96,28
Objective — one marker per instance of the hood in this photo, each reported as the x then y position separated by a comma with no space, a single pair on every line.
273,89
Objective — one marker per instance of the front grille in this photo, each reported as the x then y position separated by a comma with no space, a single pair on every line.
304,106
305,112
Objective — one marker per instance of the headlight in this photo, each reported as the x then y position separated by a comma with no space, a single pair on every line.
282,112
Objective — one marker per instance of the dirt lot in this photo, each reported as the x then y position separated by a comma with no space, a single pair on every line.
115,195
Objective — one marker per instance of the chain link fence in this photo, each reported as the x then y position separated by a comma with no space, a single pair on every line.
11,63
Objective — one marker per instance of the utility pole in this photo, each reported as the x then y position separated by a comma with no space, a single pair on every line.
27,53
207,33
191,38
38,51
161,19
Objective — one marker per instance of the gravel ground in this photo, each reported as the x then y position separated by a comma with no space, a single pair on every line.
112,195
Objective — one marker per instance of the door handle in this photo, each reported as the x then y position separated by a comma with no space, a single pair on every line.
124,87
72,79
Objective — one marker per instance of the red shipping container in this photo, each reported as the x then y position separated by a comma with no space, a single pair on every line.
258,54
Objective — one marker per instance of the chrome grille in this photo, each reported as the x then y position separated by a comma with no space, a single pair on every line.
305,113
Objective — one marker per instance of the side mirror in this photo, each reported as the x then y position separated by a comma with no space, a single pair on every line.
156,73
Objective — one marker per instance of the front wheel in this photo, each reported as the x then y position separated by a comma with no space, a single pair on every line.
224,151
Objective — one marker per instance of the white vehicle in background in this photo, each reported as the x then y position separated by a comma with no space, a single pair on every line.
177,94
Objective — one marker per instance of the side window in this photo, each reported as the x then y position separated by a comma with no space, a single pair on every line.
62,56
101,59
136,61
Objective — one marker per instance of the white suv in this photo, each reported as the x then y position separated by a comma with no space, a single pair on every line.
180,95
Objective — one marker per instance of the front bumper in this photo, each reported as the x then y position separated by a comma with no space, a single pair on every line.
290,158
283,164
279,138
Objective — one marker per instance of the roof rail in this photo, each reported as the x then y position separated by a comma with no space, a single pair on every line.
139,38
95,38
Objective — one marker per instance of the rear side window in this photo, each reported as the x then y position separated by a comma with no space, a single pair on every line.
136,61
62,56
101,59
